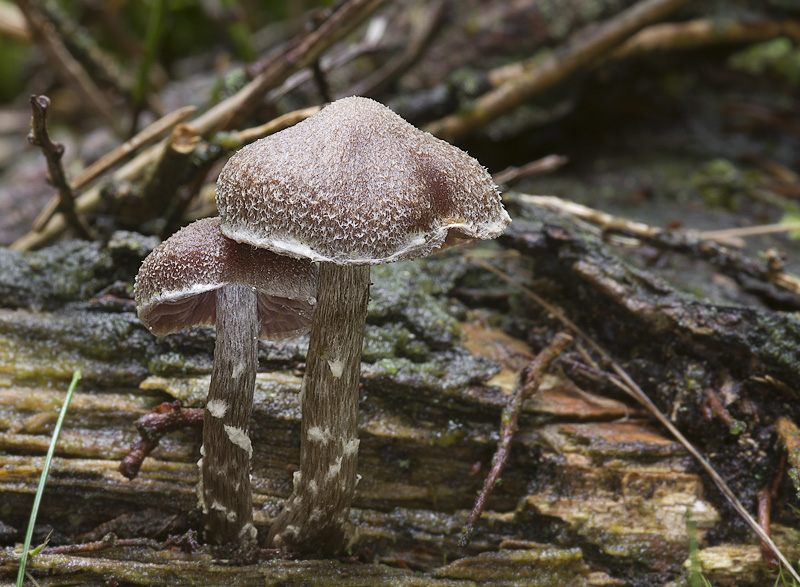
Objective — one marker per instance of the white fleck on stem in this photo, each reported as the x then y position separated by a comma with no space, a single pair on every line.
226,463
315,515
317,434
217,408
240,438
239,369
336,367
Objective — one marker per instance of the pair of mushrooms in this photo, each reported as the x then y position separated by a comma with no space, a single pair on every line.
354,185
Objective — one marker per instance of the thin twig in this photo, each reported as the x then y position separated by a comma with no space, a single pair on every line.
99,65
760,229
718,408
108,542
155,130
629,386
276,124
764,509
527,387
160,192
53,152
153,37
539,166
323,88
166,417
582,51
152,132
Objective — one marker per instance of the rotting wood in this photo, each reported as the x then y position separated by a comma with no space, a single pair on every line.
620,488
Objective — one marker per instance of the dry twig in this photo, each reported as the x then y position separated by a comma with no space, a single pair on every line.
160,191
56,175
729,233
582,51
276,124
704,32
539,166
152,132
335,59
527,387
165,418
99,65
108,542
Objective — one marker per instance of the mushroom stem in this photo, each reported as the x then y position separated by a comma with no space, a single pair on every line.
225,470
315,515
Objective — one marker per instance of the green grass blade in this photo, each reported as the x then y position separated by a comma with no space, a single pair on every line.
695,578
153,36
43,478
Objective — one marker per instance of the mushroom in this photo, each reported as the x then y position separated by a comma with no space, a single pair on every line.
352,186
199,276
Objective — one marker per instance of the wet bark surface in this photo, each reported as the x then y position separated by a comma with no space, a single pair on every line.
594,493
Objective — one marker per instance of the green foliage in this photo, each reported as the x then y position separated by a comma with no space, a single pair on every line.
778,58
722,183
11,68
153,37
790,217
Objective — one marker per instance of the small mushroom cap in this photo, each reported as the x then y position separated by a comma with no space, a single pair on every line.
356,184
177,282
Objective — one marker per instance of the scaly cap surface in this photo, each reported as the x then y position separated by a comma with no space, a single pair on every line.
177,282
356,184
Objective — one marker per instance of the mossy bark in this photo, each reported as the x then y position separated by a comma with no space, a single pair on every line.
591,483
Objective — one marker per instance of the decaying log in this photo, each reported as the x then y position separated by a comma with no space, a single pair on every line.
593,493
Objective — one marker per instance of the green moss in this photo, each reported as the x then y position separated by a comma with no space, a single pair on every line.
443,371
391,340
71,271
170,363
718,183
412,293
386,368
737,427
228,85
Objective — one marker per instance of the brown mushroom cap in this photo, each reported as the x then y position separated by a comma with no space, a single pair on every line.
356,184
177,282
